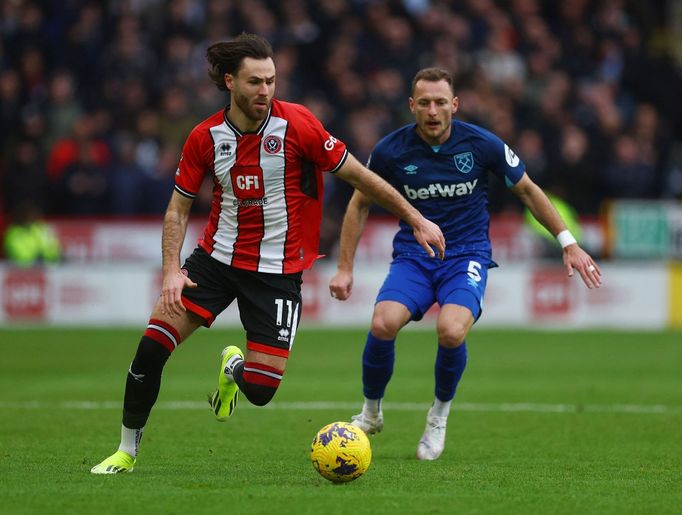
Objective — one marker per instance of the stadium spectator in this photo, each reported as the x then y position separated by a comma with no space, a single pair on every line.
10,107
63,109
175,120
81,143
630,173
28,239
26,176
576,168
266,159
441,165
524,64
127,180
84,187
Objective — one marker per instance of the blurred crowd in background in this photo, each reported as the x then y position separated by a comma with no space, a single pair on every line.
97,97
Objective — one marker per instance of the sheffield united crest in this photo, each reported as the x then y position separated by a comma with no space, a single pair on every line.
272,144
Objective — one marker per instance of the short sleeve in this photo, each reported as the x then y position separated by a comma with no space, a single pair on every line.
193,164
504,161
320,147
377,163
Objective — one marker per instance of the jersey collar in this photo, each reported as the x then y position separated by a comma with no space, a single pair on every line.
234,128
444,147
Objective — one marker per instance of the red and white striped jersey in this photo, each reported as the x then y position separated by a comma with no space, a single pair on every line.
267,194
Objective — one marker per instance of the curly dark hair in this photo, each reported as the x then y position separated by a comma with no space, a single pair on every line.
227,56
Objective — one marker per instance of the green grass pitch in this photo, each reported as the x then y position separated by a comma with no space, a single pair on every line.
543,422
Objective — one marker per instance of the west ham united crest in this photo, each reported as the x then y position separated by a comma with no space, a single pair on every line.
464,162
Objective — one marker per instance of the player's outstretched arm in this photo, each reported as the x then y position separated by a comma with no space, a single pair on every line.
575,258
427,234
174,229
341,285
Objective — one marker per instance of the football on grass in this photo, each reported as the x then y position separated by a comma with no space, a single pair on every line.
340,452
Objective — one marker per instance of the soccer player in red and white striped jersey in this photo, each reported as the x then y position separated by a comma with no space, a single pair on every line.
265,158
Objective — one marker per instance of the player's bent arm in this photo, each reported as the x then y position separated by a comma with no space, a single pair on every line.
341,284
544,212
174,230
426,232
351,230
539,205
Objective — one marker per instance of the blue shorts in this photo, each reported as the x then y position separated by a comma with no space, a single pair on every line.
418,282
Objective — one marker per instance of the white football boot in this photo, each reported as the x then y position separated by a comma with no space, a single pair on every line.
369,423
432,442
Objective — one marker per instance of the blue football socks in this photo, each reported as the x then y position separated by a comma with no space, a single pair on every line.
377,366
450,364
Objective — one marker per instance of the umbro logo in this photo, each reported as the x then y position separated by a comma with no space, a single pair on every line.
411,169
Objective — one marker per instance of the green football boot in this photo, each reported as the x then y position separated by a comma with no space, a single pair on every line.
224,400
118,463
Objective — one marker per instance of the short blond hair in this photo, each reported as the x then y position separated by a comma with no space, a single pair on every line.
433,75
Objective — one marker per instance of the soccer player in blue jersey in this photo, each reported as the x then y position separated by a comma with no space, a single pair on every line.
441,165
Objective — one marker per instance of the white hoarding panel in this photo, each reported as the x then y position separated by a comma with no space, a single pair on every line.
534,295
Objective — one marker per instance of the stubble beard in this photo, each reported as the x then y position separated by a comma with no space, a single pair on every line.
249,111
431,135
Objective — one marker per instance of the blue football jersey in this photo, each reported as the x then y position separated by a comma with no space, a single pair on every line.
448,184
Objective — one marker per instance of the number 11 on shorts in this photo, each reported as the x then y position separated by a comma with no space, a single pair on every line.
280,311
